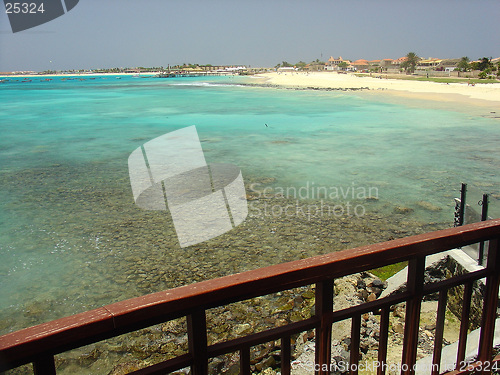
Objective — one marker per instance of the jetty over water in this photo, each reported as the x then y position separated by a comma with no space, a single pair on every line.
193,74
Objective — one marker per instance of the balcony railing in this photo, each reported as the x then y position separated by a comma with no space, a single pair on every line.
40,343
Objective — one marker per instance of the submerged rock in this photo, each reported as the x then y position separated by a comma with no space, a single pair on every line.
241,329
402,210
125,368
428,206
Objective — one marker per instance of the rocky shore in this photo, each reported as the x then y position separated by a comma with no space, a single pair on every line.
301,88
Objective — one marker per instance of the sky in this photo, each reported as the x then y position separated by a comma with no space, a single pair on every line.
257,33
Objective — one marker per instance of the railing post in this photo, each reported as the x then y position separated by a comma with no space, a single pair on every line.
44,366
383,339
323,305
460,215
197,339
490,303
438,339
245,361
286,354
415,285
464,324
355,341
484,217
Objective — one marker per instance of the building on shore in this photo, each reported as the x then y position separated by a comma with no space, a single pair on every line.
397,63
431,62
334,63
361,64
386,63
285,69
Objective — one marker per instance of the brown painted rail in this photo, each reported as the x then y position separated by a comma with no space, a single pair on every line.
40,343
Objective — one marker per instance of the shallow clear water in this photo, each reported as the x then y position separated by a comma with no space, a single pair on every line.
69,230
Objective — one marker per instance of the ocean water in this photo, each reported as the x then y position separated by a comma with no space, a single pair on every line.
71,238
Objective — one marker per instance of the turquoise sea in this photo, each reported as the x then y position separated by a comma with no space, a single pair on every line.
71,238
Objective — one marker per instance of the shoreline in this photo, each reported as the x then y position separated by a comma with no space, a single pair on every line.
481,96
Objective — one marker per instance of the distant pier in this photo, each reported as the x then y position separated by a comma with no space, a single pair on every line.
192,74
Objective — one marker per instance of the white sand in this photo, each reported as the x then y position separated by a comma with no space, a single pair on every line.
421,89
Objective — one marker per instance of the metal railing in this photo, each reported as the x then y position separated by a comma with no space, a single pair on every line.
465,214
40,343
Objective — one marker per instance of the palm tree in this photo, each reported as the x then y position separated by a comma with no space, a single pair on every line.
301,64
463,64
411,62
484,63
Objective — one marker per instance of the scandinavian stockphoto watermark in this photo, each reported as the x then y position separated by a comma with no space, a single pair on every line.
392,368
24,15
310,200
369,367
204,201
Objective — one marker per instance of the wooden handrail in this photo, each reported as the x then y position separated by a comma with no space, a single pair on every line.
47,339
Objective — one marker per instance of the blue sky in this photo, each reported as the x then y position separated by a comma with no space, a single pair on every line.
128,33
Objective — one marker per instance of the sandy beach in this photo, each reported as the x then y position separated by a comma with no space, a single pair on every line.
480,94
